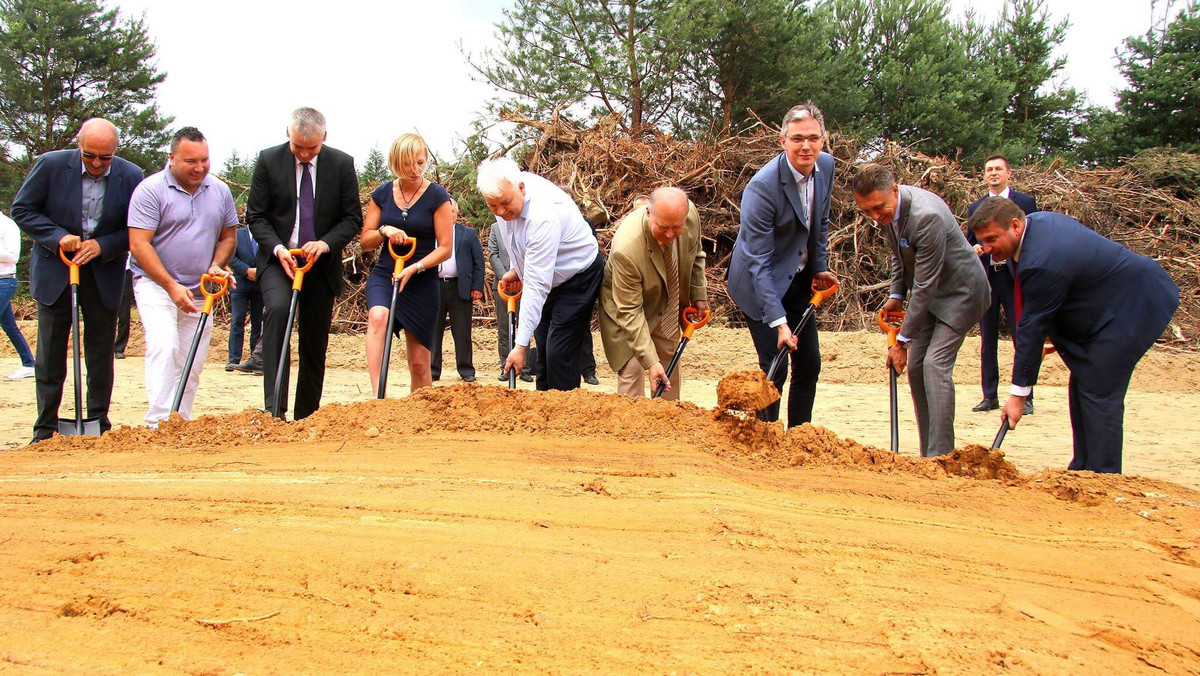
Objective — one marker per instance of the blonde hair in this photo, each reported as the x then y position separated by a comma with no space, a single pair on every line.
405,151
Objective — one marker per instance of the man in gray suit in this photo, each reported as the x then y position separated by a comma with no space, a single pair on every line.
947,291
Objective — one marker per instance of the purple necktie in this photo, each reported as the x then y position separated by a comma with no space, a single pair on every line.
307,234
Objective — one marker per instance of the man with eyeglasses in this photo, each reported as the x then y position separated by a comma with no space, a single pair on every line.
780,254
77,200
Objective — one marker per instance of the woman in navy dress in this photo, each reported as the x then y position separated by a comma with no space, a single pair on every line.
409,206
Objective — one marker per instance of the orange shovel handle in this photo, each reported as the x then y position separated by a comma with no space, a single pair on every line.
890,323
511,300
210,296
401,259
300,269
819,295
694,319
71,265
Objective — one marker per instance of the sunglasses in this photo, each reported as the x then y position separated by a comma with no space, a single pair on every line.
94,156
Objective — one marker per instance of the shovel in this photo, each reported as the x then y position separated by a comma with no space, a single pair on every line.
512,326
692,320
819,295
78,425
381,393
890,322
205,311
1047,350
285,356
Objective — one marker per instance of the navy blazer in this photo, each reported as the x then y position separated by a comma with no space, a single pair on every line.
468,256
1027,203
1100,304
49,206
774,228
244,259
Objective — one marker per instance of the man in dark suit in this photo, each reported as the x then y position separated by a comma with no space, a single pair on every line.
246,299
947,291
780,253
92,230
460,282
996,174
304,195
498,258
1100,304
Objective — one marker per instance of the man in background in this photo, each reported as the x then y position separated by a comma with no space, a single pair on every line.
460,283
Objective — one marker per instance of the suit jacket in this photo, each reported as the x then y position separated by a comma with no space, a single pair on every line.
497,254
1100,304
244,258
1027,203
468,257
933,266
633,295
774,224
49,206
271,207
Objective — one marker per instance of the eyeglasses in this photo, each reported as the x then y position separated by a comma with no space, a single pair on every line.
94,156
797,140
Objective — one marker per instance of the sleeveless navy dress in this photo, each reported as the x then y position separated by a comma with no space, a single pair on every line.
417,304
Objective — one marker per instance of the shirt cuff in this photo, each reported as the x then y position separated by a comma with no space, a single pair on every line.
777,322
1018,391
901,338
896,296
275,251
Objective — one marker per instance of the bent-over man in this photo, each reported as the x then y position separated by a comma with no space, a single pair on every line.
655,269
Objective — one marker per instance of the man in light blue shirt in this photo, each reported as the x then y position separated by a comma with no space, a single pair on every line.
554,261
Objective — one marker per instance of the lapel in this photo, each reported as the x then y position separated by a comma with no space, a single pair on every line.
325,177
74,192
901,228
789,188
288,166
654,251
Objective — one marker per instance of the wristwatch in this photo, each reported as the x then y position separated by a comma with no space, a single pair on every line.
420,267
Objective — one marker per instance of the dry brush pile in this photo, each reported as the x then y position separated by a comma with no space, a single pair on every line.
604,170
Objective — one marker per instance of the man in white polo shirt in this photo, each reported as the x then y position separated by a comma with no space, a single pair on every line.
182,224
556,262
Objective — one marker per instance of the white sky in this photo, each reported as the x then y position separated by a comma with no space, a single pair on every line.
379,69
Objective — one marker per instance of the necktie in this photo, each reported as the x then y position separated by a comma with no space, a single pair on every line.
668,326
307,234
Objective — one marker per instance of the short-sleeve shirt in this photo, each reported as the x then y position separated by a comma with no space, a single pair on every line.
186,226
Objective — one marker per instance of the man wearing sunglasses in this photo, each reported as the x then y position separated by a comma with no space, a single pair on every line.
77,200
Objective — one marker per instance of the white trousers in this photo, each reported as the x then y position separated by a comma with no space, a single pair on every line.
169,335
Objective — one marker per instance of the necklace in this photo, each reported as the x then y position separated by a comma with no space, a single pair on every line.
408,201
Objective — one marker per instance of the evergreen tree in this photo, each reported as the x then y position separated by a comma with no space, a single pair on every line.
238,171
64,61
374,171
1162,104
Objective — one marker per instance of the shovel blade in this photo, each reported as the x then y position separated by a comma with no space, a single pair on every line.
91,427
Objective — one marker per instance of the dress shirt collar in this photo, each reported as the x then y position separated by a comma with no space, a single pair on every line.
83,167
896,216
800,178
312,163
1002,193
1017,254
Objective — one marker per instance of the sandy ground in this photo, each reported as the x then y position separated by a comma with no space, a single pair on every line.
468,527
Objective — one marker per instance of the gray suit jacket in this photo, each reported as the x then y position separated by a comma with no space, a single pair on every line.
934,266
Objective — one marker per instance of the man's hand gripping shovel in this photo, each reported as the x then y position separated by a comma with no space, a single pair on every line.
890,323
512,301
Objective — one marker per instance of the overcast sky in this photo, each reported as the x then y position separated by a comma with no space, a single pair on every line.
237,68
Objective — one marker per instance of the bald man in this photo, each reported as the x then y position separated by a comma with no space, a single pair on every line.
655,270
77,200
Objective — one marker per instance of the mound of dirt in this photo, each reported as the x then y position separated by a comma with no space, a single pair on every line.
746,391
578,414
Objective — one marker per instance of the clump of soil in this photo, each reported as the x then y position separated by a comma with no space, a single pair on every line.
978,462
746,391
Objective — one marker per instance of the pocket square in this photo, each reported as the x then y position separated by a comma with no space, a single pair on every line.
904,243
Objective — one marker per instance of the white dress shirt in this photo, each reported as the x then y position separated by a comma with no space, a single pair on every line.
294,238
547,244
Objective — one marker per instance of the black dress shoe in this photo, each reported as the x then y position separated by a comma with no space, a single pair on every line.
119,355
503,376
1028,407
986,405
228,367
591,379
525,377
249,366
468,379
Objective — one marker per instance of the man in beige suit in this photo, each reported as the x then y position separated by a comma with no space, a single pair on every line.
639,306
